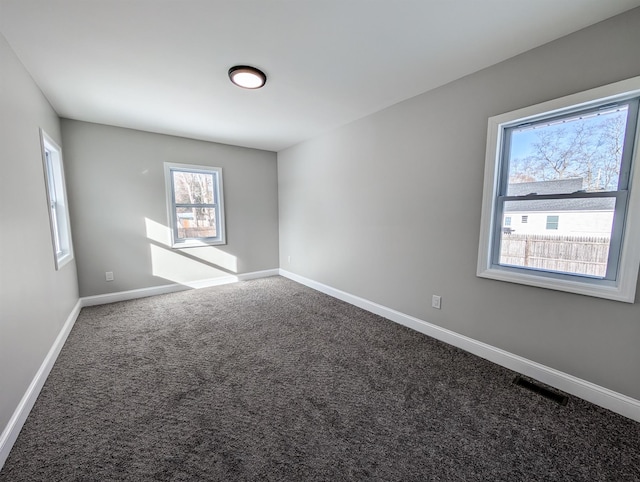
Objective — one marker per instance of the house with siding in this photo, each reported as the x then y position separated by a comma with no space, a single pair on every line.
574,217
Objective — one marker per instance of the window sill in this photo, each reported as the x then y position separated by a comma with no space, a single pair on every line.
63,260
197,244
595,288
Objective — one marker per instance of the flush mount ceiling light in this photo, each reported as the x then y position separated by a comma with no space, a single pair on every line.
247,77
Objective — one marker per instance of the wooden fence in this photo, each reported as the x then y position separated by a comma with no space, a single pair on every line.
569,254
197,232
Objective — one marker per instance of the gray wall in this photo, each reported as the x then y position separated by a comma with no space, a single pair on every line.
35,299
119,216
388,209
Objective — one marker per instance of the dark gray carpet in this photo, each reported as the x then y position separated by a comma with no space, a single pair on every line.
270,380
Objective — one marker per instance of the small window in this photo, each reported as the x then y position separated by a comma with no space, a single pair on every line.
507,221
195,201
577,158
57,204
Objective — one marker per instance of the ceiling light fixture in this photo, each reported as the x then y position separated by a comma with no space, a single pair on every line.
247,77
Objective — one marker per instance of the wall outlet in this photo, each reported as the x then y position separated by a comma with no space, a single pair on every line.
435,301
109,275
288,259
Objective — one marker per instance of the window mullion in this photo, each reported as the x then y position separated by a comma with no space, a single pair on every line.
629,140
573,195
617,231
184,205
497,231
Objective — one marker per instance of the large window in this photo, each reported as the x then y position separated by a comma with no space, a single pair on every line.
567,167
57,205
195,201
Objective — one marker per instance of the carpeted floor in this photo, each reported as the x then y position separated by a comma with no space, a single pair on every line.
270,380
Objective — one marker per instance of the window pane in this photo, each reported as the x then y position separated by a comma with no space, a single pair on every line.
193,187
57,201
55,226
552,222
196,222
566,236
568,154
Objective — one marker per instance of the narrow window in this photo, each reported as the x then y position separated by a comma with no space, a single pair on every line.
575,157
57,204
195,201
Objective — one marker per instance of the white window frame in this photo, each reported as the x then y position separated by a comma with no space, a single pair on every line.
218,205
623,287
57,204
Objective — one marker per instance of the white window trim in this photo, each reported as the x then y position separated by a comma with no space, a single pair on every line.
624,288
192,243
61,225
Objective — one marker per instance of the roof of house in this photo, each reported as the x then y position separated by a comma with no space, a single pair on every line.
553,205
559,186
556,186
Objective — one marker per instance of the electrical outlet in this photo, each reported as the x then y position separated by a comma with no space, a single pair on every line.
435,301
109,275
288,259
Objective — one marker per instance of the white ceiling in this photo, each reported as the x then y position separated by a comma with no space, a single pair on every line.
161,65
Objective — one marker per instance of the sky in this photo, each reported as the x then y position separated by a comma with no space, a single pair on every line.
522,139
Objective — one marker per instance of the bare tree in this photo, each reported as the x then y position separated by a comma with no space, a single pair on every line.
196,188
588,148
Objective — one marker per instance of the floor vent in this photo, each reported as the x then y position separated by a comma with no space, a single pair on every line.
539,389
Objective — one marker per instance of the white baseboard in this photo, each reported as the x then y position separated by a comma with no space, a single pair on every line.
614,401
10,433
172,288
